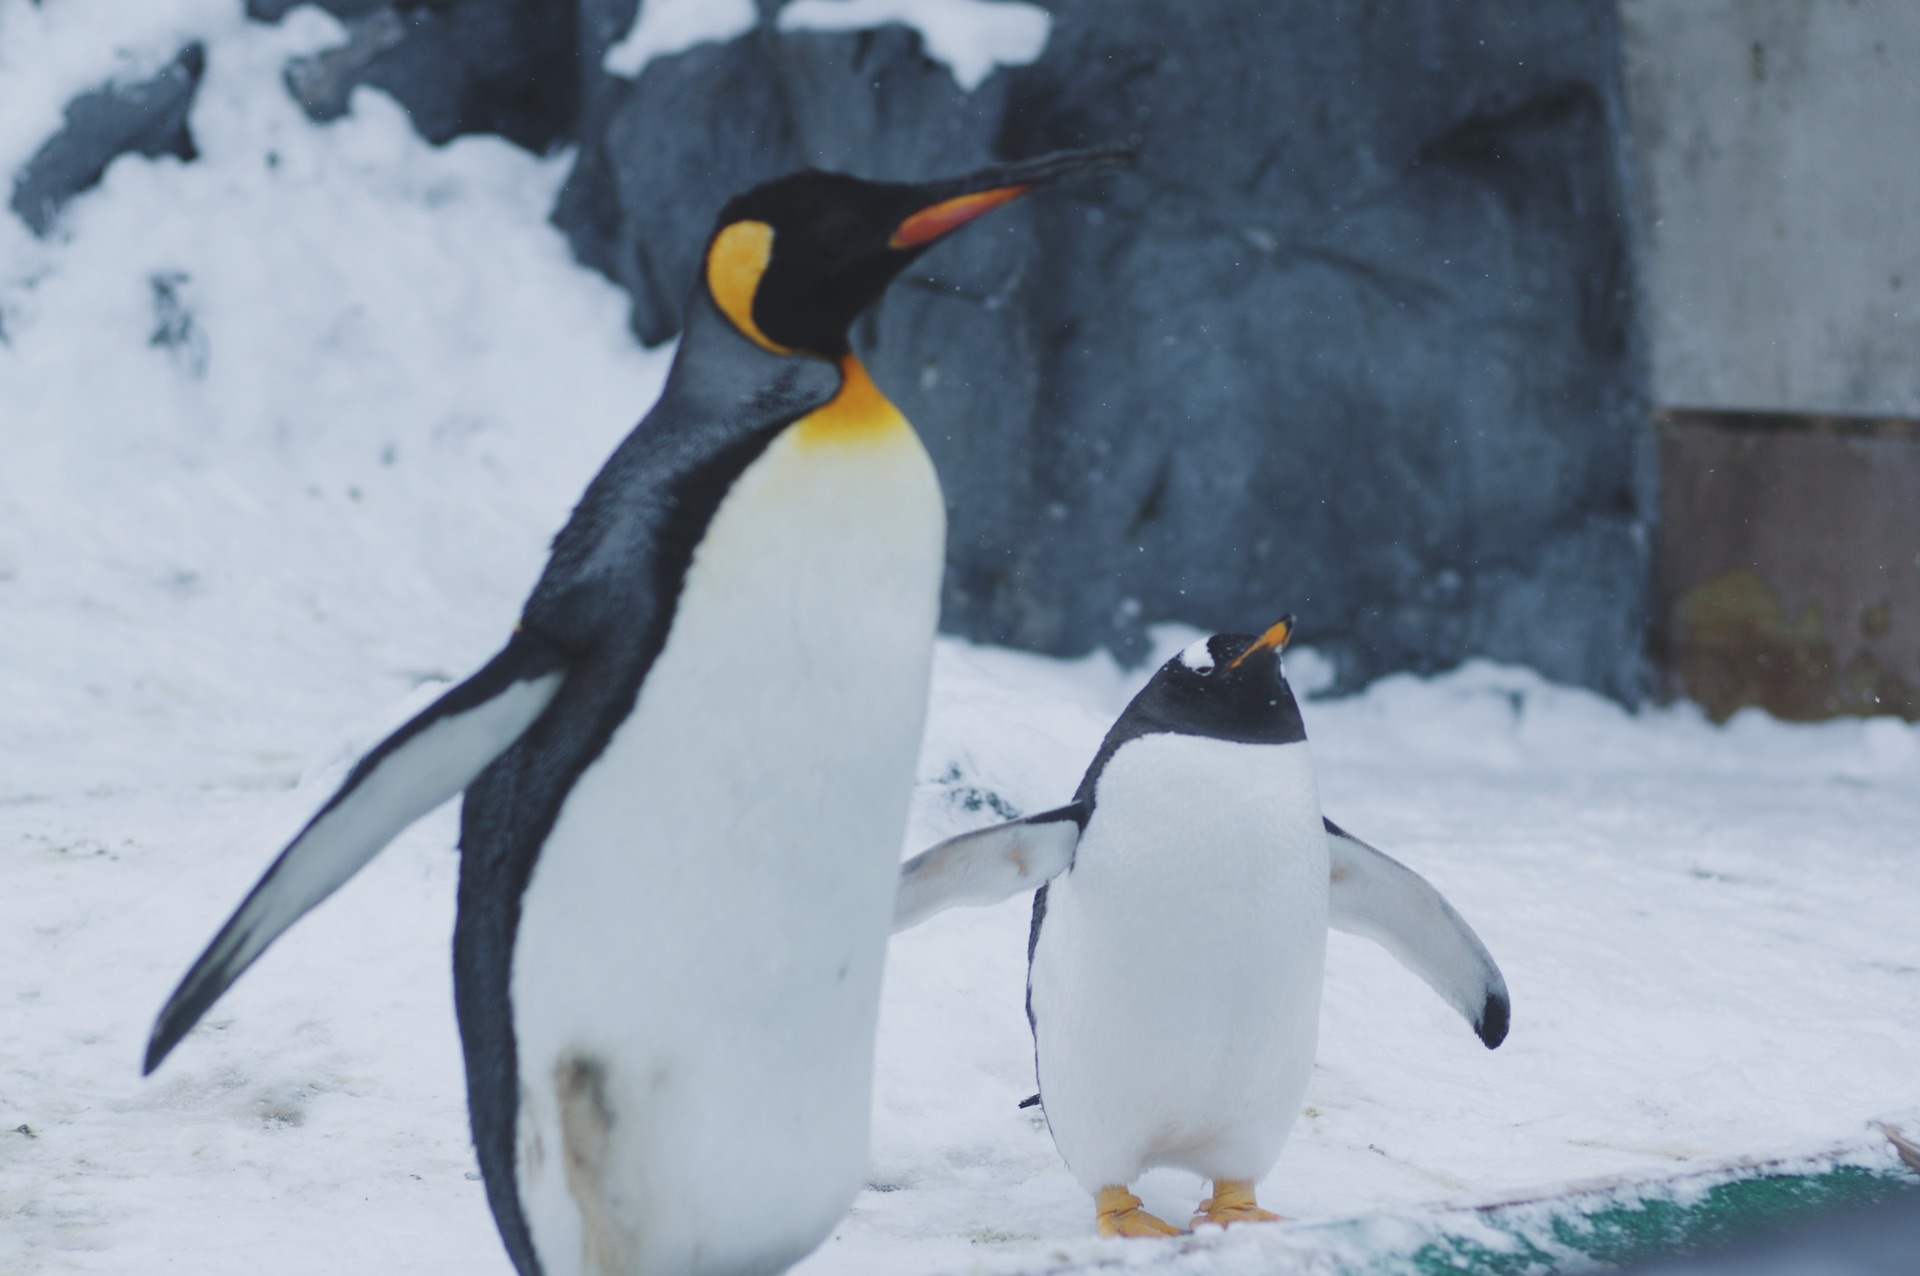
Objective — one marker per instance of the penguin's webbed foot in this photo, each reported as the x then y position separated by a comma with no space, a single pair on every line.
1119,1214
1232,1202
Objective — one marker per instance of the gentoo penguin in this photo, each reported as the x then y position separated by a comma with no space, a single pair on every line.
1180,931
687,774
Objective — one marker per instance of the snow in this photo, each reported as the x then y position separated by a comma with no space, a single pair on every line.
1707,932
229,564
665,27
969,37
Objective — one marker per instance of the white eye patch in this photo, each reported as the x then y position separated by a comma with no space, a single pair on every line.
1196,657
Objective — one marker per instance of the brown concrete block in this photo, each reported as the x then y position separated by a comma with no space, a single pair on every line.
1788,568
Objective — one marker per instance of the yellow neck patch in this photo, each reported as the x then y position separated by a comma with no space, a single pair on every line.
735,264
858,414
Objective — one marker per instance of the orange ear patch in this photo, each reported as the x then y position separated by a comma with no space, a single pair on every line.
929,224
735,265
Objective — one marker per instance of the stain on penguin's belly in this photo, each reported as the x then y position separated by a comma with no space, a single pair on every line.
697,970
1176,979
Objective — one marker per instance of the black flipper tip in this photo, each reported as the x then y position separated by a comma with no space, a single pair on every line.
168,1029
211,976
1494,1019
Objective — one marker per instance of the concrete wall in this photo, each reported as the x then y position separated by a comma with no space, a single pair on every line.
1779,152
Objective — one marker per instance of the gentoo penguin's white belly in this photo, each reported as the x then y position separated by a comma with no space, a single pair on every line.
1176,980
697,970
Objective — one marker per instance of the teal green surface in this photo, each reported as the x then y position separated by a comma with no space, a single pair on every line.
1618,1233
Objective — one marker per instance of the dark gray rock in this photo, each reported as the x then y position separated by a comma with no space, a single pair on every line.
638,186
175,328
148,118
507,67
603,24
1355,340
323,82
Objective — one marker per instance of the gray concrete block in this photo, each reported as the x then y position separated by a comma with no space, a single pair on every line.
1781,173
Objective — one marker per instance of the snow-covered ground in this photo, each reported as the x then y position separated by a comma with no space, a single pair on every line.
231,559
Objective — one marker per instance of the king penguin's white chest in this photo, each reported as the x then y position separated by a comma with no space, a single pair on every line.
1176,978
697,968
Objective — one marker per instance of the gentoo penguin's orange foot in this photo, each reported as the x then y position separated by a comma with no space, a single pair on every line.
1232,1202
1120,1215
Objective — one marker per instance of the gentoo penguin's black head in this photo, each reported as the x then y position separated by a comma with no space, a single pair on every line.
1227,687
793,262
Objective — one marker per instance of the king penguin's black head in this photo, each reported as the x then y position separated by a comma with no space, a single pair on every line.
1227,687
793,262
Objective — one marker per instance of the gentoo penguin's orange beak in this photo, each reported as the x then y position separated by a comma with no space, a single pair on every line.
1275,639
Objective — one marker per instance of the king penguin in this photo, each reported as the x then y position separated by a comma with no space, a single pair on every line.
687,774
1180,931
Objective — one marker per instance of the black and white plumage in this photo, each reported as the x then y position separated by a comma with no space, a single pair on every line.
687,775
1179,928
665,956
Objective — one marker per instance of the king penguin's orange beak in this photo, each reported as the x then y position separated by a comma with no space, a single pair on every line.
952,204
949,215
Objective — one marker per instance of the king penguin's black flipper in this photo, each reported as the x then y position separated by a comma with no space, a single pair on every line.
1377,897
987,865
412,771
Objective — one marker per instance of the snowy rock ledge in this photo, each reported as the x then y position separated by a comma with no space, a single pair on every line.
1356,339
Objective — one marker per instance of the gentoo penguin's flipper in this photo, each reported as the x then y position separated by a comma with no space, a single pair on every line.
1378,897
412,771
988,865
